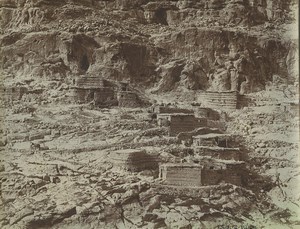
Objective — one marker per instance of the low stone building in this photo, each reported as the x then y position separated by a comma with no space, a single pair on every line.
128,99
88,89
179,123
197,175
133,160
213,139
228,100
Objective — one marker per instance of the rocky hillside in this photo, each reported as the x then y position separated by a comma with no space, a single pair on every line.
56,169
156,44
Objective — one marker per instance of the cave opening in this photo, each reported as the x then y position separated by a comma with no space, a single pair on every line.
161,16
84,63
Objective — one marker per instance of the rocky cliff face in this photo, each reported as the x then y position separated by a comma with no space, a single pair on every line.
166,44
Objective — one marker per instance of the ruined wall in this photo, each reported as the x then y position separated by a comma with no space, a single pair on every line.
217,176
208,113
185,123
100,96
128,99
10,94
182,176
171,110
219,153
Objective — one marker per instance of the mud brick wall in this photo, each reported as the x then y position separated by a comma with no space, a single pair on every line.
187,123
225,100
182,176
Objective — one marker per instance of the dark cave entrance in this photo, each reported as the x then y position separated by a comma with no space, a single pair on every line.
161,16
84,63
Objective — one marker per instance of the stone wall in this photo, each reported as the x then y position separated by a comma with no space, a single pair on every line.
9,94
217,176
101,96
181,175
128,99
220,140
219,153
133,160
195,175
208,113
185,123
170,110
221,100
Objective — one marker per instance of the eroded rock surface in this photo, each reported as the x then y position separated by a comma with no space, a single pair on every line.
55,163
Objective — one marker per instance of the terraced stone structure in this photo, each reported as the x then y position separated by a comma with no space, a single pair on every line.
227,100
133,160
88,89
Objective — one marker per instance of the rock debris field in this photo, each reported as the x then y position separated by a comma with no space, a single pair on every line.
149,114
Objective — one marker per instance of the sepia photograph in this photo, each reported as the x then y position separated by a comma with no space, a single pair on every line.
149,114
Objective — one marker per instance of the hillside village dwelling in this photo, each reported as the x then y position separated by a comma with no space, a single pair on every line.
227,100
197,175
88,89
134,160
179,123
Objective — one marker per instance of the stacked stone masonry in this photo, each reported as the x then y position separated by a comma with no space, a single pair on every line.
195,175
180,123
95,89
221,100
128,99
133,160
219,152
